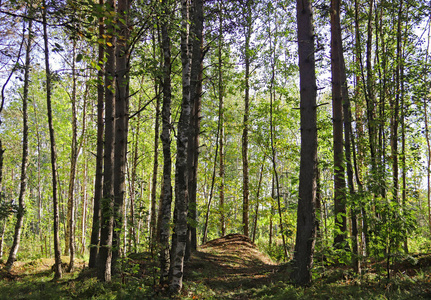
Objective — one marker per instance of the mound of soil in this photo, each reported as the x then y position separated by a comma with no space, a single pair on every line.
229,266
237,247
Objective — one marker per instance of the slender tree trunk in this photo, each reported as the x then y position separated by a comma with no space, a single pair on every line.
360,129
4,221
348,148
98,182
121,124
245,182
24,160
305,237
2,102
256,214
337,117
427,137
70,231
273,150
155,164
57,250
132,183
207,214
39,181
181,171
107,201
395,118
84,207
221,117
195,107
166,193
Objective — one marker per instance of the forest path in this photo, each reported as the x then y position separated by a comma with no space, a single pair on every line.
232,267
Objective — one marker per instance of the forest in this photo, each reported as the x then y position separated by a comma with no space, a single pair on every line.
215,149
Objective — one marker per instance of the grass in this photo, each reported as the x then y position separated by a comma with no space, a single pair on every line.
227,268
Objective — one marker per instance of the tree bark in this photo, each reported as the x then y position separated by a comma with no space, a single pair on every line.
207,214
70,231
337,118
195,107
57,250
179,238
84,207
98,182
166,193
157,86
121,123
107,201
305,234
221,119
24,160
245,180
272,140
348,141
257,202
427,138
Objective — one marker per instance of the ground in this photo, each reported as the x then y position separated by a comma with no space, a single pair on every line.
226,268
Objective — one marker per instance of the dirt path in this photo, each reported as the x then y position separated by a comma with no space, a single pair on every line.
232,267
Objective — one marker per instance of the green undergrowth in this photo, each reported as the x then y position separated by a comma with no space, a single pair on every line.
218,271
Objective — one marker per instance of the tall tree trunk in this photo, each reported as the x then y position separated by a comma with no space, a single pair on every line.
181,171
24,160
132,182
84,206
121,123
70,231
221,117
305,234
2,102
395,118
166,193
348,141
245,179
157,86
98,182
272,138
57,250
3,220
358,162
427,138
195,107
104,258
337,117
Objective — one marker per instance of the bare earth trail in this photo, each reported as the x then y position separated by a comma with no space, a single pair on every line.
232,267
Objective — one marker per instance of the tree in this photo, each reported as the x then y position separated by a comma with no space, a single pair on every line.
181,169
248,28
122,52
221,117
24,160
107,202
195,107
98,182
57,250
305,233
166,193
337,118
70,232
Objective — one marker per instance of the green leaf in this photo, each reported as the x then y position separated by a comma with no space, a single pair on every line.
79,57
